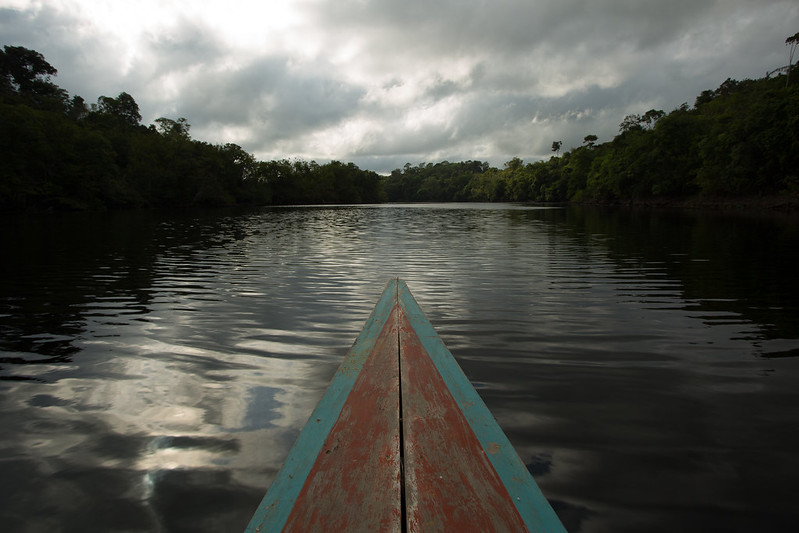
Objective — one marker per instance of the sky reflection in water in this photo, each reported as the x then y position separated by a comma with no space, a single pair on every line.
155,369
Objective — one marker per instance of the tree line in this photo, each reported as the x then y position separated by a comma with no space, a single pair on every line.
741,139
60,153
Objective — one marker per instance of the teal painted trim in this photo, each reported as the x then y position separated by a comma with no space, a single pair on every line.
533,507
279,500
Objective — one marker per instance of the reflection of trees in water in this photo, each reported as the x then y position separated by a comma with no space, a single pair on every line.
64,272
69,271
731,267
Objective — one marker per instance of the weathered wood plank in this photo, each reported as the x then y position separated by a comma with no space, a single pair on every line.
525,494
355,483
279,500
400,396
450,485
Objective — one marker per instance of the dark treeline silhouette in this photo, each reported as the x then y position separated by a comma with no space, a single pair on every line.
60,153
740,140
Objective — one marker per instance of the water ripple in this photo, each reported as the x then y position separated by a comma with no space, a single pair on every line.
173,358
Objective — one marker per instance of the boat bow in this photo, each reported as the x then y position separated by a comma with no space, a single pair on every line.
401,441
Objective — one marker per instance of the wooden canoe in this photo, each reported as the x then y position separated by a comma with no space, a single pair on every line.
402,442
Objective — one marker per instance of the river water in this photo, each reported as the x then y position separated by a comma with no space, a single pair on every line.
155,368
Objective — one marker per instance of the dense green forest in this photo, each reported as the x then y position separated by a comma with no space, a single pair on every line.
739,140
60,153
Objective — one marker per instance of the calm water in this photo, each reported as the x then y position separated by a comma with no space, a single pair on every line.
156,368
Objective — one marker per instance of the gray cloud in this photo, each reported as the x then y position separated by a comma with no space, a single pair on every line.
86,60
264,97
384,82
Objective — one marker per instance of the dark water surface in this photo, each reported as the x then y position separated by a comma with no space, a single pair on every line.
156,368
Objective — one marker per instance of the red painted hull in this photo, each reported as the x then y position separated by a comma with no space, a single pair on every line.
402,442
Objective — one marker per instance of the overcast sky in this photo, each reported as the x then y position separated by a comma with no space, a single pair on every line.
385,82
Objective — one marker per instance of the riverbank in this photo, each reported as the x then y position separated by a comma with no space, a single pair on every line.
771,203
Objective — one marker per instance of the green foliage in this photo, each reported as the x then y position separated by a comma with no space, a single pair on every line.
741,139
123,109
173,128
25,77
58,153
441,182
51,162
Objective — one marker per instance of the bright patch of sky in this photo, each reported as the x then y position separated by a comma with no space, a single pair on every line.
384,82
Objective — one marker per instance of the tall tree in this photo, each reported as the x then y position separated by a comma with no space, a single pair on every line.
791,41
28,74
651,117
123,107
173,128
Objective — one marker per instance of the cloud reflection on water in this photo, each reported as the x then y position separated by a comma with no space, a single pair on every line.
200,349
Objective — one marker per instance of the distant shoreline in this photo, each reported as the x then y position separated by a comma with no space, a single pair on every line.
718,203
744,204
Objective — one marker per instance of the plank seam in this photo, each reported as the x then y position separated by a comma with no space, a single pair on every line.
526,495
403,505
276,505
